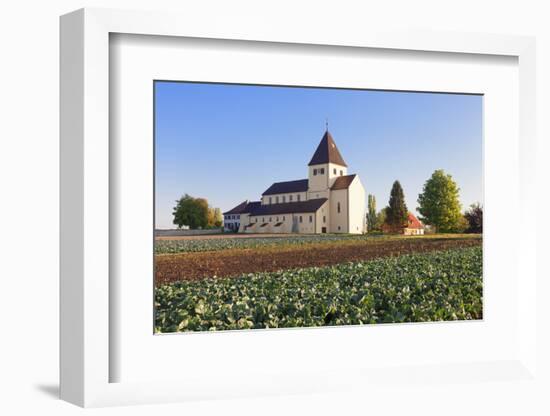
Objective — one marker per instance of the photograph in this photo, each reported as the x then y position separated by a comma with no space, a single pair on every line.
300,207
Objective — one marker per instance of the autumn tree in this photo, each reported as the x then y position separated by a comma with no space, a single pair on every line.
214,217
440,205
396,214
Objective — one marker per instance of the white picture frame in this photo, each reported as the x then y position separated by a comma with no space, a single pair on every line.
86,167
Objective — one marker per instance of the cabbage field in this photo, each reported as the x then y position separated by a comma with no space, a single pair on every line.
193,245
434,286
198,245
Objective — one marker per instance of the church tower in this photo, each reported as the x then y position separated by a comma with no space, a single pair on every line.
325,166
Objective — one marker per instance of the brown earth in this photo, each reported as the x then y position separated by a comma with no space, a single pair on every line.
235,262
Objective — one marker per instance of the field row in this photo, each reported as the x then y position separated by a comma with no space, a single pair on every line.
443,285
168,246
235,262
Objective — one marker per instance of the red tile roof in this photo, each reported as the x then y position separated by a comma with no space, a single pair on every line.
413,222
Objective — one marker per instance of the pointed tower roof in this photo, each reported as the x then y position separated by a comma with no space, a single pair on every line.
327,152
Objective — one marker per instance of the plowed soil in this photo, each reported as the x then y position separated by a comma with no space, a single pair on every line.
227,263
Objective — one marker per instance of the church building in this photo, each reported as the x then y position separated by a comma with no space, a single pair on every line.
329,201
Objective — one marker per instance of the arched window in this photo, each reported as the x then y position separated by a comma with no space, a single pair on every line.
338,208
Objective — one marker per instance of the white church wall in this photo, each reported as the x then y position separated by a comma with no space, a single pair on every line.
357,206
335,171
244,221
322,218
318,181
284,198
339,220
318,194
305,226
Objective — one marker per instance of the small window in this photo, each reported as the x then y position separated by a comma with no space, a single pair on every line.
270,200
284,199
341,173
283,218
269,219
276,199
256,219
298,197
300,218
324,219
338,228
238,217
290,198
263,219
334,171
338,208
314,172
311,218
277,219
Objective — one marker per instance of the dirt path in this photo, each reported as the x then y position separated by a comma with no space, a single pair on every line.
190,266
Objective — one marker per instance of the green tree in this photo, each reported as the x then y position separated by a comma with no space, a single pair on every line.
371,215
474,216
190,211
396,215
440,205
381,218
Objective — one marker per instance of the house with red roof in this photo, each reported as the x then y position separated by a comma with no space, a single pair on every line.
414,226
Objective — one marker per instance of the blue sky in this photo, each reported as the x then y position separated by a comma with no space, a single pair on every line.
228,143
